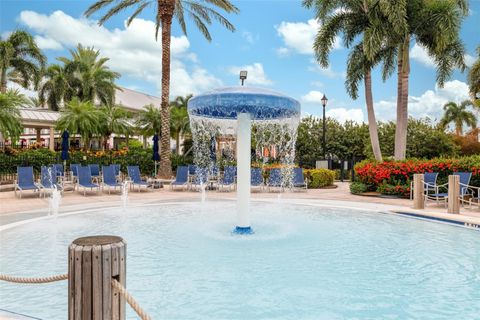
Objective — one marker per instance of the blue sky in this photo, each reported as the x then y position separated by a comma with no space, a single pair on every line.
273,41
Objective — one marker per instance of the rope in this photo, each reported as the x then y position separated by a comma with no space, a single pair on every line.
58,277
131,301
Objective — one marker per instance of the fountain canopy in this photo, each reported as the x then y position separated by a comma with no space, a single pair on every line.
227,103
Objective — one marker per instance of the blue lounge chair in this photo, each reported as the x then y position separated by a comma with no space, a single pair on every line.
256,178
74,171
109,179
200,179
299,181
228,179
135,178
464,178
25,180
429,183
275,179
85,180
48,180
95,171
181,178
116,168
59,170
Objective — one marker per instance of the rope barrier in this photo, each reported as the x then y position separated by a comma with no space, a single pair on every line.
131,301
58,277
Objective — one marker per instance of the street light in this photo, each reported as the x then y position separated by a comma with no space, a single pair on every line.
243,75
324,144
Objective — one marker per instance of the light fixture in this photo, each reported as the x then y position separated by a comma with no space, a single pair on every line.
243,75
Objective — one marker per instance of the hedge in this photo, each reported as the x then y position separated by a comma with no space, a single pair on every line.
319,178
394,177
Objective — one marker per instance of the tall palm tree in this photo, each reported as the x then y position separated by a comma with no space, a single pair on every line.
94,81
149,120
434,25
10,124
459,115
81,117
202,13
114,119
179,121
21,60
474,80
368,22
56,88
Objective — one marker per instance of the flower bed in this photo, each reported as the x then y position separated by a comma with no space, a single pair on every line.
394,177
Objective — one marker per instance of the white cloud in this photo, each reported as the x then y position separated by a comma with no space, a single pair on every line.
343,114
48,43
420,54
22,90
312,97
249,37
298,37
327,72
256,73
469,60
429,104
133,51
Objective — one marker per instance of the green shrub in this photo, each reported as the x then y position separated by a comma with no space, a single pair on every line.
319,178
358,187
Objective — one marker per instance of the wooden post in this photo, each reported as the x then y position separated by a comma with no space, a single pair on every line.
92,264
453,194
418,191
51,141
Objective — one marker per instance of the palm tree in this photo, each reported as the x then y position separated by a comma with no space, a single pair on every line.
149,120
81,117
202,13
434,25
56,87
94,81
10,124
474,80
114,119
34,102
459,115
358,20
179,121
21,60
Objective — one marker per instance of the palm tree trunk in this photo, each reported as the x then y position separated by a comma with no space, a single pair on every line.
144,141
402,101
372,122
168,7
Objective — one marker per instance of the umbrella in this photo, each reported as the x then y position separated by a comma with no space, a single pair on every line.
65,155
213,150
155,156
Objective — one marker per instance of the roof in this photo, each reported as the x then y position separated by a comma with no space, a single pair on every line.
135,100
38,117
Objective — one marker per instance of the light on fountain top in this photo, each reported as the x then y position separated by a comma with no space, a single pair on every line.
226,103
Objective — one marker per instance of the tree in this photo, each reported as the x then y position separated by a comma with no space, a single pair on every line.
10,124
82,118
56,87
114,119
149,120
459,115
34,102
439,37
473,80
179,120
369,22
21,60
201,13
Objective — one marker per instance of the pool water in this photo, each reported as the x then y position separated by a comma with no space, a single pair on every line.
303,262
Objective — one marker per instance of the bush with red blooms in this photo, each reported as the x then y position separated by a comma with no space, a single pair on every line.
394,177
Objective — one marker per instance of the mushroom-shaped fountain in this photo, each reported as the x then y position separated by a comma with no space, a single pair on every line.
228,110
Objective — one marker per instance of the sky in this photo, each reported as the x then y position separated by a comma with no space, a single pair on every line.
273,42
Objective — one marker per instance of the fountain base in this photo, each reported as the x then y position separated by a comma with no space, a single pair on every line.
243,230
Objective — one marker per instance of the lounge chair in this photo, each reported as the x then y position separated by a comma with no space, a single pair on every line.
429,183
192,170
200,179
116,168
299,182
95,171
135,178
85,180
228,179
58,167
25,181
181,179
109,179
464,189
275,179
256,178
48,180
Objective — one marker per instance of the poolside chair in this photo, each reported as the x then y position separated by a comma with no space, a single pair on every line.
95,171
135,178
25,181
275,179
109,179
200,179
48,180
228,179
59,172
256,178
74,171
464,189
192,169
85,180
116,168
429,183
299,182
181,179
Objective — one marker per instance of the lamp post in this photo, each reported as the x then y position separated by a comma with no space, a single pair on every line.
243,75
324,143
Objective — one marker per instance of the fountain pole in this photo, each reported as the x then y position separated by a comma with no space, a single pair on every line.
244,130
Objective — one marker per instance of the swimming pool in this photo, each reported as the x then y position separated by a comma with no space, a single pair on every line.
303,262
